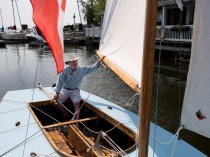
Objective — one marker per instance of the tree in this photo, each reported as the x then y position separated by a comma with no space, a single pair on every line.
92,10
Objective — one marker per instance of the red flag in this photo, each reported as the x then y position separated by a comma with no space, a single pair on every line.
48,17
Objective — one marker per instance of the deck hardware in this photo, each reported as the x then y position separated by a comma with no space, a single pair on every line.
109,107
17,123
33,154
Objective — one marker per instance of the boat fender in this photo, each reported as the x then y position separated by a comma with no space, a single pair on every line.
17,123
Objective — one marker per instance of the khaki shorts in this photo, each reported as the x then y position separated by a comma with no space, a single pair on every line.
74,95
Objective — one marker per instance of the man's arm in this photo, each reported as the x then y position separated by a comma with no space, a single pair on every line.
92,68
60,82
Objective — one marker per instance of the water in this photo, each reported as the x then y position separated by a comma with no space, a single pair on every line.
22,67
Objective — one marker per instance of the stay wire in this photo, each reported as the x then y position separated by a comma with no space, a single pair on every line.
157,96
170,140
180,55
32,98
6,131
12,110
19,144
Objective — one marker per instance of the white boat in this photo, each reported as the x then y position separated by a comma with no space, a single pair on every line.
26,130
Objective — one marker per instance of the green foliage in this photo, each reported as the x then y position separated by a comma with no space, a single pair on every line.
92,10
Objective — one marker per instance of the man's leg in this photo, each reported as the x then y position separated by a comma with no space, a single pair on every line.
77,110
62,98
76,98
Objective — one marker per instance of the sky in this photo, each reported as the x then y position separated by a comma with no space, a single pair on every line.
25,11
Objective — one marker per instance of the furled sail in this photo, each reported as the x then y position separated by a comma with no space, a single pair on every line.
122,39
196,107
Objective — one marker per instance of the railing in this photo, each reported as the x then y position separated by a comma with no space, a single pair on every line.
94,32
171,33
176,33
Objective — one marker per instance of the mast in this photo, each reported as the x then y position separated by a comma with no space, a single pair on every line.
18,12
147,77
1,18
79,12
13,13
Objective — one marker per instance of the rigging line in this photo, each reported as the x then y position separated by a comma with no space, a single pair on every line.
136,142
13,110
180,55
44,155
90,58
40,155
81,106
118,147
113,127
16,128
131,100
29,116
174,146
13,148
32,98
33,107
157,96
18,12
114,147
179,112
170,140
45,114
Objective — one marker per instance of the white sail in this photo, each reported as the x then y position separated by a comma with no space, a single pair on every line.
123,35
196,107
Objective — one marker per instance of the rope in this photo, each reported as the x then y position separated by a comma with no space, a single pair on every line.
19,144
45,114
131,100
32,98
29,106
15,128
174,146
157,97
170,140
33,154
90,58
113,144
81,107
180,55
13,110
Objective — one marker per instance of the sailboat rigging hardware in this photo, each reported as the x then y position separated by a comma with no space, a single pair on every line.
161,32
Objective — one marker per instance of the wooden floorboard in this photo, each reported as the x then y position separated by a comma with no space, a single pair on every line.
60,142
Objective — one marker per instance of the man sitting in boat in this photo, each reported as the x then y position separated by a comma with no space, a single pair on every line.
69,81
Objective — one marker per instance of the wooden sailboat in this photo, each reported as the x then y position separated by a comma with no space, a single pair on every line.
105,129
